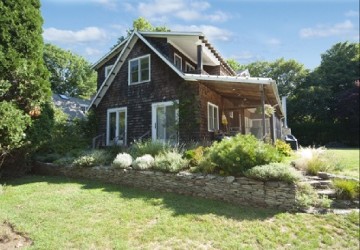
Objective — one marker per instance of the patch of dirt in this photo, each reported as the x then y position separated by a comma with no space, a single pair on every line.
11,239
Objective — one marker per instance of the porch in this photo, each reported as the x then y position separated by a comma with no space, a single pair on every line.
245,105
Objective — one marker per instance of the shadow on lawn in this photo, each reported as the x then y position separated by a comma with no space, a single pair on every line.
179,204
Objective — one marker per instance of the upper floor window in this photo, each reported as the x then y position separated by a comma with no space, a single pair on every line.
189,67
178,61
107,70
139,70
213,117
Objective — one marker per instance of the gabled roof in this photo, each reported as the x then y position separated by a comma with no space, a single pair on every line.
225,81
110,54
72,106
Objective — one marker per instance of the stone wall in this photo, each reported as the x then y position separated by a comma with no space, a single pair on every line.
235,190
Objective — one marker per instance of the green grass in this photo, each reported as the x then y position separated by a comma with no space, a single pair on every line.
62,213
349,159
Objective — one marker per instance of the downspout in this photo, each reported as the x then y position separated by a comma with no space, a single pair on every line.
263,110
199,66
283,103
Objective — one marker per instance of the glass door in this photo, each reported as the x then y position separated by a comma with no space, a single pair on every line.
165,122
116,126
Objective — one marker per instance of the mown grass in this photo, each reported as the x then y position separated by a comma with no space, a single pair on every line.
61,213
349,160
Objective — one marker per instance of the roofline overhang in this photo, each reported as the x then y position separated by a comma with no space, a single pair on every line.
108,55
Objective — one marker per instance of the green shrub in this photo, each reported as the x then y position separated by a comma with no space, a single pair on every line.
84,161
306,196
274,172
152,148
93,158
170,161
283,147
143,162
122,160
194,156
64,161
347,189
240,153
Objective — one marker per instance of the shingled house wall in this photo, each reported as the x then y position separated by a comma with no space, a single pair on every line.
139,97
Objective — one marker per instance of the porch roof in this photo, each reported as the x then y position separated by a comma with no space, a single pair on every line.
245,89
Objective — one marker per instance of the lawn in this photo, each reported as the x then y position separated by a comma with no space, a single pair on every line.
349,159
62,213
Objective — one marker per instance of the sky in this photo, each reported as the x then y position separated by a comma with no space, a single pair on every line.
244,30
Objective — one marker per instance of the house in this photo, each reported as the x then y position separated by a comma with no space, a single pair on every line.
72,106
175,86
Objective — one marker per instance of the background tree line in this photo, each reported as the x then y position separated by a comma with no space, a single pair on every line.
323,104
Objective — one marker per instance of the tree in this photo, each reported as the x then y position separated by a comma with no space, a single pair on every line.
24,85
141,24
69,73
287,73
327,101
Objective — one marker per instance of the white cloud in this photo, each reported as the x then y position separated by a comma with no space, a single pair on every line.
213,33
88,34
273,42
352,13
92,52
183,9
338,29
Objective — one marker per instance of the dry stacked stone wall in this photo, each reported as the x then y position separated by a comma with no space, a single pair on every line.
235,190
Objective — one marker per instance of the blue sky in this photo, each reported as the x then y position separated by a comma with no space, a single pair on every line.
244,30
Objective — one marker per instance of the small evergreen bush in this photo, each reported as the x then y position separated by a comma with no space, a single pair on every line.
170,161
122,160
239,153
347,189
283,147
143,162
274,172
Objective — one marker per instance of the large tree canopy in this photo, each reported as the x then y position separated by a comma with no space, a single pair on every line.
287,73
69,73
323,105
142,24
24,83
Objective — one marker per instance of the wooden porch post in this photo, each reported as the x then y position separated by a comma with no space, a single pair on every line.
263,110
242,117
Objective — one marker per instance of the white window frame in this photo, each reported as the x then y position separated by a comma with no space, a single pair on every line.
188,65
117,111
153,115
108,70
139,73
212,126
178,57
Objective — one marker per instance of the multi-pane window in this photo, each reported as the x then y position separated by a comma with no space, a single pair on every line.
178,61
139,69
213,117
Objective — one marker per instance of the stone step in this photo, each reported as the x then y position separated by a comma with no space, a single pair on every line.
313,178
327,192
320,184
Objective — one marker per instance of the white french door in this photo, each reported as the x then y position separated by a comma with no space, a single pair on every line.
165,122
116,126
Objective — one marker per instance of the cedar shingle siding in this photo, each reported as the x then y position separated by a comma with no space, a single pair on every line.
139,97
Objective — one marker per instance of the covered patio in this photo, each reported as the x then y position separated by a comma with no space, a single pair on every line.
248,105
